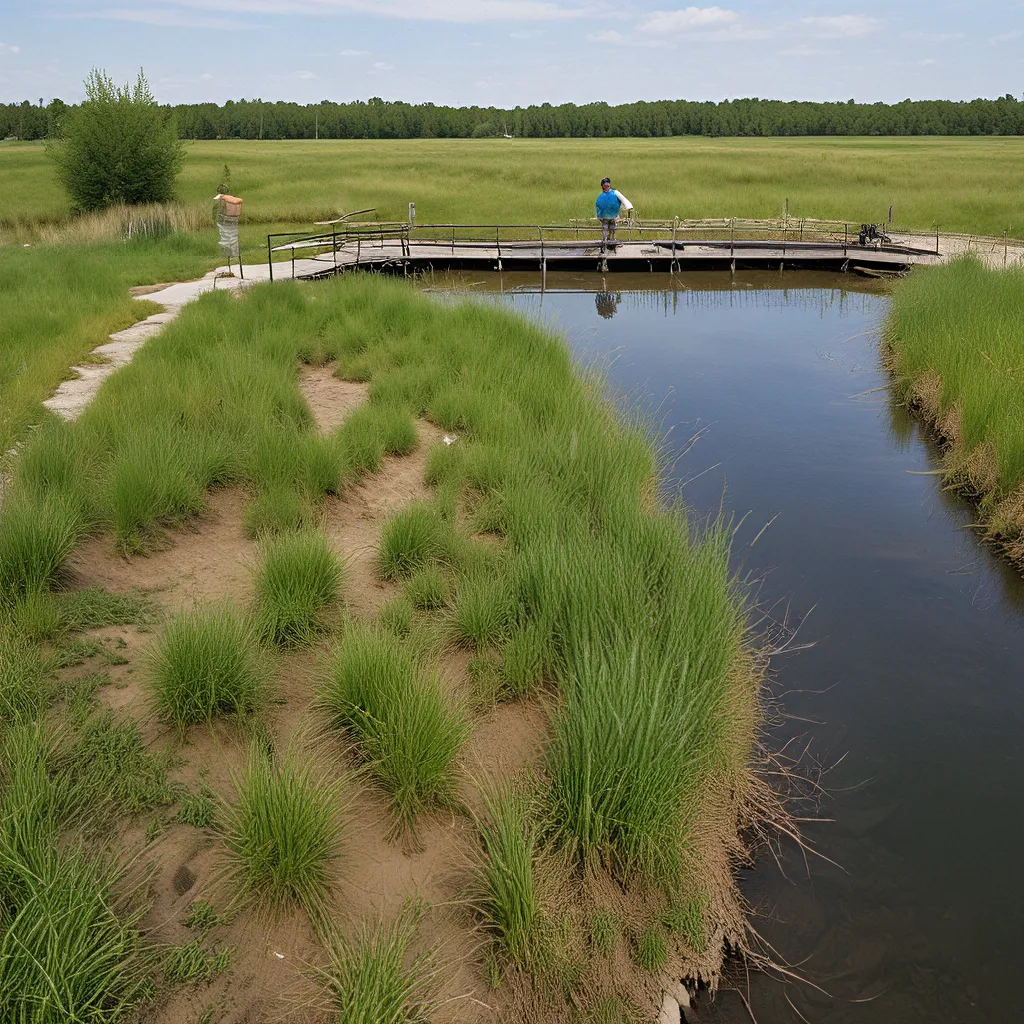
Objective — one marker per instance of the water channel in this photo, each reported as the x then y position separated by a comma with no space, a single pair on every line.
912,691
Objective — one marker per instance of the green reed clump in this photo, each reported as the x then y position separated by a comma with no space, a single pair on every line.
205,662
408,732
282,834
36,538
964,323
507,895
279,509
298,579
413,537
373,979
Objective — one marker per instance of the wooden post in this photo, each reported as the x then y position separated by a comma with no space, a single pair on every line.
1004,248
270,259
543,264
497,242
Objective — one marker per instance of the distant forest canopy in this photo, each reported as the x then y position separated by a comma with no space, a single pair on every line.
384,119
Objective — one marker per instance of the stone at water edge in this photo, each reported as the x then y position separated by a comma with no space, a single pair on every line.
669,1012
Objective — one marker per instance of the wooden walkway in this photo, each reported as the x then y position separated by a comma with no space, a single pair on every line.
666,248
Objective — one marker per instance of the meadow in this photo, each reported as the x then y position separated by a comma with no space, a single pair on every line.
538,584
963,185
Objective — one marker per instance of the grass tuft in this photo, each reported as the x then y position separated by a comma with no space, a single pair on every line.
407,731
297,581
413,538
282,835
427,588
35,541
374,980
24,671
507,897
205,662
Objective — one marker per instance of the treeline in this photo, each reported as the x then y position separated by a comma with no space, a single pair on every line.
382,119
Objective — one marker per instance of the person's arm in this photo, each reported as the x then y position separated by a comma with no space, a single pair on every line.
626,204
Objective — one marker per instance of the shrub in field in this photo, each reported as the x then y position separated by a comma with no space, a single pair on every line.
118,146
35,540
407,731
373,979
282,834
414,537
507,894
205,662
396,615
298,578
388,426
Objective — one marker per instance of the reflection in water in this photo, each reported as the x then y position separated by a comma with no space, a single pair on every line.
911,689
606,303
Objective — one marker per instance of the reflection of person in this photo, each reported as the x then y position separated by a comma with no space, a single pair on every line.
607,304
607,206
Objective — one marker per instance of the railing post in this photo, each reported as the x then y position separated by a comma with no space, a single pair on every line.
334,246
270,259
497,242
1004,248
846,240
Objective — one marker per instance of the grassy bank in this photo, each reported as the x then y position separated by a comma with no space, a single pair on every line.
57,303
962,184
954,342
539,571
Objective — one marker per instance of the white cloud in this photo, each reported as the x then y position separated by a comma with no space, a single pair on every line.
842,26
465,11
162,16
927,62
382,66
306,76
686,20
528,33
355,53
7,48
206,77
1006,37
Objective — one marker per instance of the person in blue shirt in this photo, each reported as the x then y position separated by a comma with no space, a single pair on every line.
608,206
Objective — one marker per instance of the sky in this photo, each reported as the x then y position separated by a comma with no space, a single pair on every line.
508,52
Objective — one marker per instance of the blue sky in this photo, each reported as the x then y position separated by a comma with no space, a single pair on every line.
515,51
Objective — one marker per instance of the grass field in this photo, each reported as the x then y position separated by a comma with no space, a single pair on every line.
966,185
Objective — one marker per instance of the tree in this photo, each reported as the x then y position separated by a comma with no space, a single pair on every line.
117,147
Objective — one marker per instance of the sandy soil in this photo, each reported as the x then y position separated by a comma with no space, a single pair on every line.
212,560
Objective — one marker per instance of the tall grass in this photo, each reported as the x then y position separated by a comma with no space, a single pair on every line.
23,676
204,663
965,324
408,733
298,578
70,948
373,979
282,835
963,183
507,891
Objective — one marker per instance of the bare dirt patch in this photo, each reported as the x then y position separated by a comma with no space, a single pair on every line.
353,521
208,559
330,398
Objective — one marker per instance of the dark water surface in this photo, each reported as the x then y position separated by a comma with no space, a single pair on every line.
914,679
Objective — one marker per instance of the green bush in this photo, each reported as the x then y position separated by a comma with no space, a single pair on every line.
118,146
205,662
427,588
298,578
